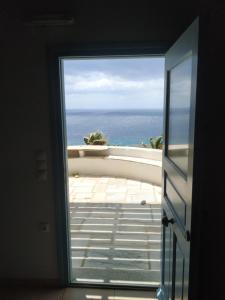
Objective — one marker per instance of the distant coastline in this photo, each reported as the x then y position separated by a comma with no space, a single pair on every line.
114,111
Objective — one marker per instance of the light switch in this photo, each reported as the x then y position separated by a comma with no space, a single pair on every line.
41,155
41,165
41,175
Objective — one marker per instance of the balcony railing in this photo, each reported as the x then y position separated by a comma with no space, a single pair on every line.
126,162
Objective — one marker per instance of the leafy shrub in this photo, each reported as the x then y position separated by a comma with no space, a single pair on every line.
95,138
156,142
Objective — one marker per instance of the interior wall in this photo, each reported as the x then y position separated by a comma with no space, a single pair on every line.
25,251
210,193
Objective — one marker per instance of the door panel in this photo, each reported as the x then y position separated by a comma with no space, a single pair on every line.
179,271
177,203
179,110
179,124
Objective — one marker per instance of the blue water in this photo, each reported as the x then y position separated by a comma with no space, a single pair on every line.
121,127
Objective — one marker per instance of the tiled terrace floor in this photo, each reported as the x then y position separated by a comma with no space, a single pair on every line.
115,231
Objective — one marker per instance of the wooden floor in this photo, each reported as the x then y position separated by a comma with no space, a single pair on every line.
115,240
73,294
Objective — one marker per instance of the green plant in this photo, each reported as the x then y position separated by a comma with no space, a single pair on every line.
156,142
95,138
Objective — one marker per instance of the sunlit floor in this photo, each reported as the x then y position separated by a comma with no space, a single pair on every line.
115,231
19,293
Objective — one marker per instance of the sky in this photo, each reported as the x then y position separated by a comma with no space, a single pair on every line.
115,83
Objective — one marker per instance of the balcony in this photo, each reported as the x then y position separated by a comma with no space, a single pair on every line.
115,213
126,162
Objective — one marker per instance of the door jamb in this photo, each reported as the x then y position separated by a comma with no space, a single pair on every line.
56,107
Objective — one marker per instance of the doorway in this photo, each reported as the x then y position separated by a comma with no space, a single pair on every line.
114,122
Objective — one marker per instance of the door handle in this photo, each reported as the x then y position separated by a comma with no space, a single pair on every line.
166,221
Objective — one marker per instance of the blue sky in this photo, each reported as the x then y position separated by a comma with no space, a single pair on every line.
115,83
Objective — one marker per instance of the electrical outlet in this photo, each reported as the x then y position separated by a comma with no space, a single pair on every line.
44,227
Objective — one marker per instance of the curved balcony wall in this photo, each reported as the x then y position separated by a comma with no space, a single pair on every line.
126,162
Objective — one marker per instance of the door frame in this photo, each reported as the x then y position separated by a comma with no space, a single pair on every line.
57,119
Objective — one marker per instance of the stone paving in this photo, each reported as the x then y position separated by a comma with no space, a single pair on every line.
115,231
112,190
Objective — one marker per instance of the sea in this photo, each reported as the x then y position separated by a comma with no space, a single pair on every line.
130,127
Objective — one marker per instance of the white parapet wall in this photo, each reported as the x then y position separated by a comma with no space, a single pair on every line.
135,163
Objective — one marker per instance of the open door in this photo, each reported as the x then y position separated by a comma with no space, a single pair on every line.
178,152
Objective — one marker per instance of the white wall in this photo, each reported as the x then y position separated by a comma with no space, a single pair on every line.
125,162
147,153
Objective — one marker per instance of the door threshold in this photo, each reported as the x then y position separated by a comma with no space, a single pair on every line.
110,286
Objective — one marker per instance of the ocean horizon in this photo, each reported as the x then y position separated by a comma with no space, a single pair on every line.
121,127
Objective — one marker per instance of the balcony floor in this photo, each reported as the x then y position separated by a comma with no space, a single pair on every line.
115,231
